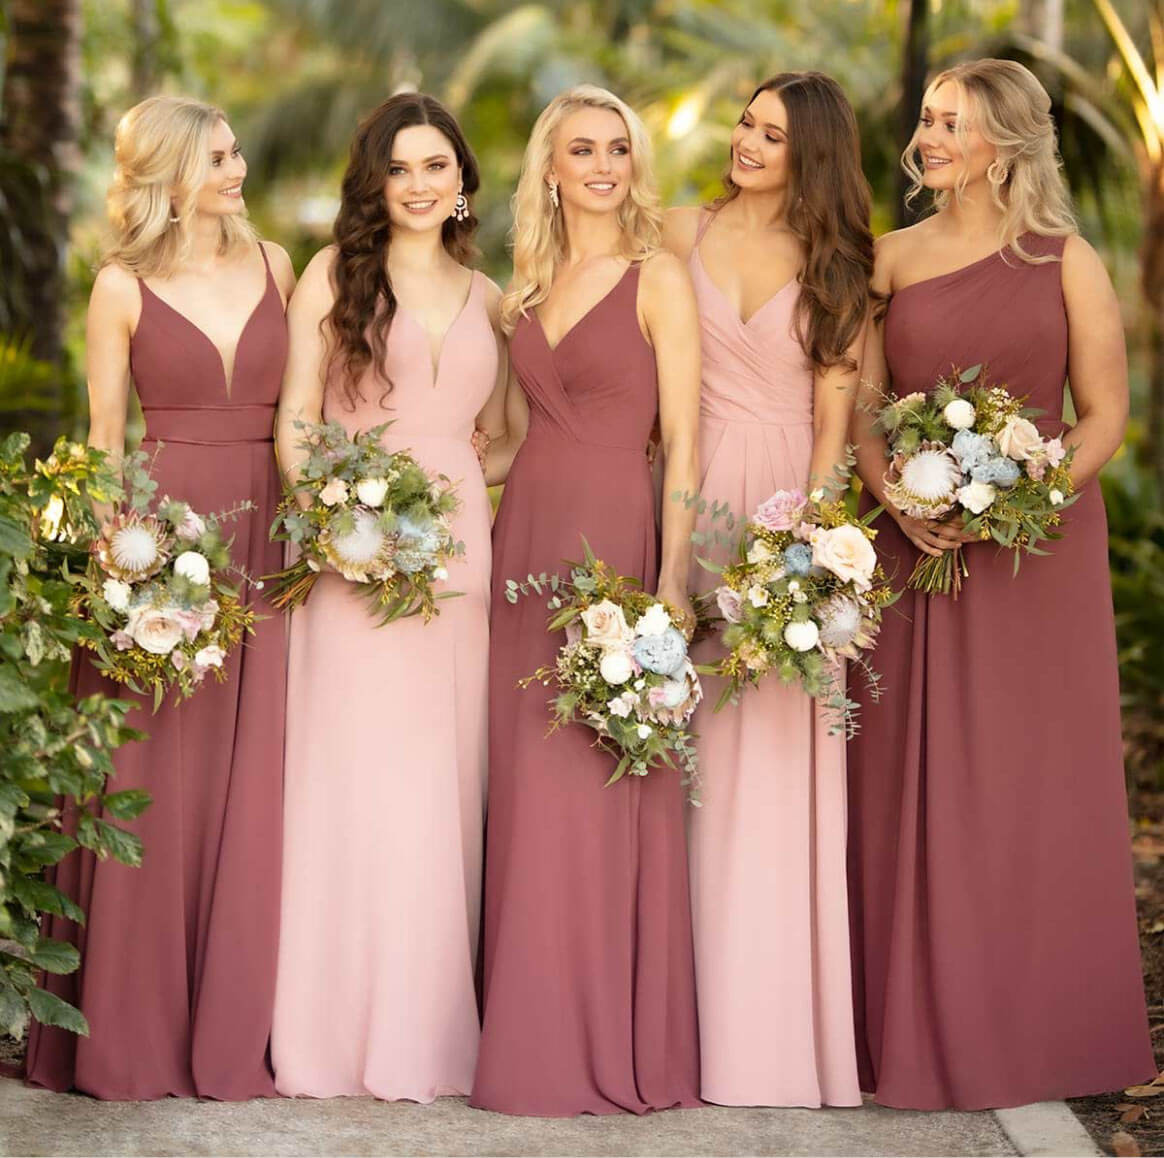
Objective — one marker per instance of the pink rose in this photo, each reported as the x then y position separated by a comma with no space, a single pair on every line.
121,640
1019,439
155,629
730,603
1055,451
781,512
191,622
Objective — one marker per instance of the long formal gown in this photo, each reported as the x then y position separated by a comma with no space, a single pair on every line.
386,750
993,922
588,979
767,847
177,976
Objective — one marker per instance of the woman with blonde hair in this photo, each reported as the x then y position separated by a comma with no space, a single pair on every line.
178,957
589,999
993,925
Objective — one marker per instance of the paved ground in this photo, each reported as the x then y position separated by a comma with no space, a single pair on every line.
35,1122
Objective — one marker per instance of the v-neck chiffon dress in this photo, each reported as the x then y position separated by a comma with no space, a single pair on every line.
767,847
995,953
177,975
386,750
589,995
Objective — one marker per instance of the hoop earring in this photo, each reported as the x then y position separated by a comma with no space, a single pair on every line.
554,194
461,207
993,175
174,220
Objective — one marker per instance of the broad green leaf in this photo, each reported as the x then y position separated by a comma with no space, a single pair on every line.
49,1009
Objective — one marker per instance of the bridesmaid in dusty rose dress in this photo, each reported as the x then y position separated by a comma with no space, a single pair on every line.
993,922
588,988
767,847
386,726
178,957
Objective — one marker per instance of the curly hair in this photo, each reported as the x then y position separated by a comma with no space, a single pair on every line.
162,156
361,316
829,205
539,230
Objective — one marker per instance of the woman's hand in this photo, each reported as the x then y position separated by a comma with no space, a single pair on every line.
928,535
680,603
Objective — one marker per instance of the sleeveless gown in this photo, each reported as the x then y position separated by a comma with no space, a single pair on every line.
177,976
767,846
589,997
995,954
386,750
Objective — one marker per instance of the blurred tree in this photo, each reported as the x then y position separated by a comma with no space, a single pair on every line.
914,70
41,124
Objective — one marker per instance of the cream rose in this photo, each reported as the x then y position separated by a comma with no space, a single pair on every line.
847,553
155,629
336,491
977,496
193,566
616,667
759,552
371,491
606,626
1019,439
653,621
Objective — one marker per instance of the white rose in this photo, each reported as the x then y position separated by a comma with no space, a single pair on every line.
847,553
644,731
802,636
371,491
653,621
1019,439
336,491
759,552
960,414
616,667
157,630
1056,498
758,596
976,496
116,594
193,566
210,656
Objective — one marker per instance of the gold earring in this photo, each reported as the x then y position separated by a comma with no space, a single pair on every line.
994,176
554,194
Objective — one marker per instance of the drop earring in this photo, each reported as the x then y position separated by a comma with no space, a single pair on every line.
554,194
461,207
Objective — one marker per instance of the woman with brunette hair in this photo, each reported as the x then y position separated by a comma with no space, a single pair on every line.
994,928
781,265
386,739
177,974
588,989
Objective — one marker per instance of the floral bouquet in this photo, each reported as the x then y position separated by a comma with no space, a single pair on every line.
156,585
623,669
376,516
805,593
970,449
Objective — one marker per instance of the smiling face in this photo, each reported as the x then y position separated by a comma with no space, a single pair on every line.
760,145
954,154
423,179
220,194
591,161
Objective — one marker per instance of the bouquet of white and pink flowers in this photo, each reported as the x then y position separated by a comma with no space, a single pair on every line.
970,449
157,586
623,669
375,516
805,592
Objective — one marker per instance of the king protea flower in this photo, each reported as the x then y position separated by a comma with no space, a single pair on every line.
132,547
923,484
361,553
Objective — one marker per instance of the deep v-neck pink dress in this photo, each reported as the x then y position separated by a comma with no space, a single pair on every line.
178,957
386,750
767,848
589,995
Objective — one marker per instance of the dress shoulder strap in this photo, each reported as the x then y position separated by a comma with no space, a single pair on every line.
706,217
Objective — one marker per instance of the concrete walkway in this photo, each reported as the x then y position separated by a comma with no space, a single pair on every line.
36,1122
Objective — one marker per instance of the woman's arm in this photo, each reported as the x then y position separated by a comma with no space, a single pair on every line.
504,419
1097,363
301,398
667,303
834,392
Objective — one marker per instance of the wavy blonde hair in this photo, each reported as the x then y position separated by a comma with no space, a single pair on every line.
539,230
1012,111
162,157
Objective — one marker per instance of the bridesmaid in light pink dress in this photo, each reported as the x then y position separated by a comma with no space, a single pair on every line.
767,848
386,726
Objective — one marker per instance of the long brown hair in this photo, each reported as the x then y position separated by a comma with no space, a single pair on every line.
828,210
364,304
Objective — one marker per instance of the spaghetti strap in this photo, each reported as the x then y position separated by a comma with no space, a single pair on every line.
266,260
706,217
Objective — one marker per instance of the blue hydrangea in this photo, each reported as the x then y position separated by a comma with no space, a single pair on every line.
798,559
1002,472
972,449
422,536
663,653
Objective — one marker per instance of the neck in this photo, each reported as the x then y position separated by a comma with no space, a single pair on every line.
590,235
974,214
759,211
411,251
205,234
